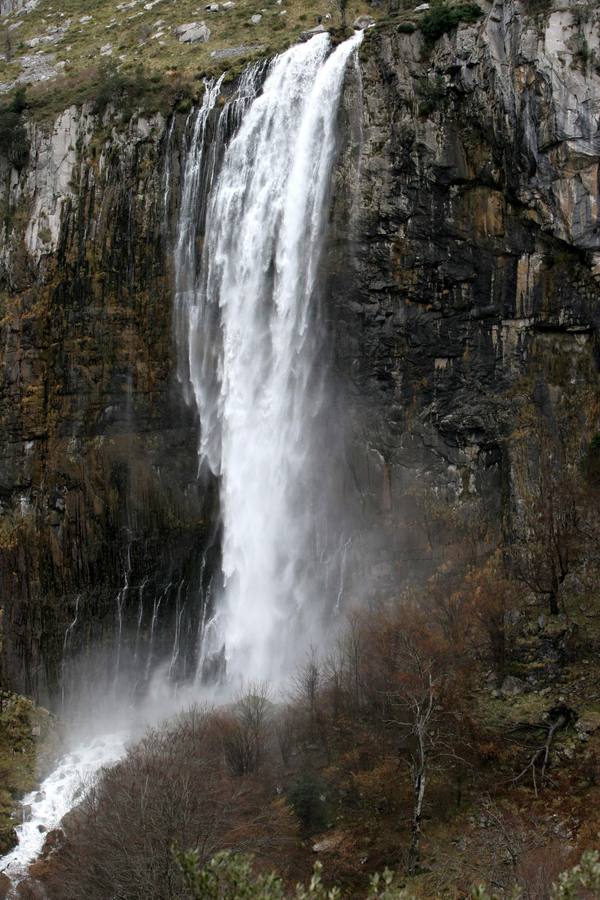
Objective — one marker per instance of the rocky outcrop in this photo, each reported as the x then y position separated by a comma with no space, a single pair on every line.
98,464
466,300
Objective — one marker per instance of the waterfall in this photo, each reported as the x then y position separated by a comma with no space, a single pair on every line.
253,353
253,357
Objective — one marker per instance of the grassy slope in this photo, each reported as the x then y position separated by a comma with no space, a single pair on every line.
141,36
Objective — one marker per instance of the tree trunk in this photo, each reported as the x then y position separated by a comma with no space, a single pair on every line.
415,840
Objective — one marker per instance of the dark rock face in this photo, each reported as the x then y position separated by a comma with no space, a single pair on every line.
466,298
98,463
461,277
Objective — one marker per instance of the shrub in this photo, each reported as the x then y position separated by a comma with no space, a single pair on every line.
230,877
443,18
123,90
14,144
307,799
171,788
244,731
407,27
533,7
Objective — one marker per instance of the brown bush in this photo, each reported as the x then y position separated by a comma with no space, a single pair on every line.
172,789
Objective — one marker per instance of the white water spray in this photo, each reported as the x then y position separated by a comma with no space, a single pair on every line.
43,809
257,365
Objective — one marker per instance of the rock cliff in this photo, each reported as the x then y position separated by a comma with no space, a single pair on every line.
466,295
98,462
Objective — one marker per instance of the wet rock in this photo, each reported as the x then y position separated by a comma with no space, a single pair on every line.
415,297
54,839
306,35
586,726
363,22
5,886
329,842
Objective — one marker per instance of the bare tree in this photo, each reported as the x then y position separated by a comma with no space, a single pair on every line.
553,542
415,707
172,789
244,729
423,708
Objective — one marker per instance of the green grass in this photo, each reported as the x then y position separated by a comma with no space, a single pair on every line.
169,67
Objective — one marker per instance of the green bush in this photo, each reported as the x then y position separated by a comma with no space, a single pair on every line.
14,144
592,460
123,90
431,94
407,27
231,877
533,7
442,18
306,797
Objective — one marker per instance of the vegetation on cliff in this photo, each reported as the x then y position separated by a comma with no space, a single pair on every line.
24,728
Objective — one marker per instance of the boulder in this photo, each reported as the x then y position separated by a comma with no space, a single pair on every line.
5,885
256,19
37,67
242,50
306,35
363,22
193,33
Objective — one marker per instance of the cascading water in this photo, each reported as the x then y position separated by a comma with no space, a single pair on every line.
253,358
255,361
